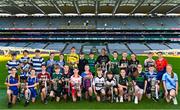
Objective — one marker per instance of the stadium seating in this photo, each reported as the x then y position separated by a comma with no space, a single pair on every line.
85,22
157,46
138,48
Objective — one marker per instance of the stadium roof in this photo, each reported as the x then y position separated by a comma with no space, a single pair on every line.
94,7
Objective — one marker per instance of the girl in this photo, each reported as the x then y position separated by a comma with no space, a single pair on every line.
139,82
122,83
12,83
170,83
30,92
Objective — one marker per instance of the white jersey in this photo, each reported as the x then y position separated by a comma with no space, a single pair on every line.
99,83
110,83
76,81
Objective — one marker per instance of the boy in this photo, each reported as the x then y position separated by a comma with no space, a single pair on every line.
99,86
91,62
73,59
66,82
44,82
149,62
30,92
114,64
103,61
110,83
57,84
152,84
82,63
37,62
12,63
76,81
50,64
87,83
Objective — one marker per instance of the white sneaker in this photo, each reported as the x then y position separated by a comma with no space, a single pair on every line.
117,100
136,100
121,99
175,101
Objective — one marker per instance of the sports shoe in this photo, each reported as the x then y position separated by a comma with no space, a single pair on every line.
9,105
117,100
26,103
121,99
175,101
136,100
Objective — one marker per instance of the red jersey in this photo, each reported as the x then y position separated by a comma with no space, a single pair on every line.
161,64
44,77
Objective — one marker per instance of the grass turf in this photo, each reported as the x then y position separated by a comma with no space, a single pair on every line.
144,104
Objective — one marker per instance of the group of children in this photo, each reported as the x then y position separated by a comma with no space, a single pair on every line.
109,79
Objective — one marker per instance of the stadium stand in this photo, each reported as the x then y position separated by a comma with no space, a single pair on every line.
91,23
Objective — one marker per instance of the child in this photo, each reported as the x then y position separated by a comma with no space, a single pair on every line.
37,62
66,82
170,83
73,59
124,62
110,84
133,62
99,86
12,83
122,85
61,62
30,92
103,61
114,64
91,62
50,64
82,63
152,84
161,64
149,62
12,63
139,82
76,81
57,84
44,82
87,83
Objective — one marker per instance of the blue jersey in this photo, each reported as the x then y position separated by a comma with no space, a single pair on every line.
170,82
32,81
12,80
50,66
150,76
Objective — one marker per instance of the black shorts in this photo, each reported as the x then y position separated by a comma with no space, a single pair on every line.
57,93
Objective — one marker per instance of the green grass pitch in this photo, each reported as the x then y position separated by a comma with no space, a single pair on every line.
144,104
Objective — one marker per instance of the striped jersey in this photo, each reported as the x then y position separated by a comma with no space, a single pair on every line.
37,62
12,63
24,59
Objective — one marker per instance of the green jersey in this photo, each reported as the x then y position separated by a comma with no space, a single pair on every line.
91,63
114,67
123,81
56,85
